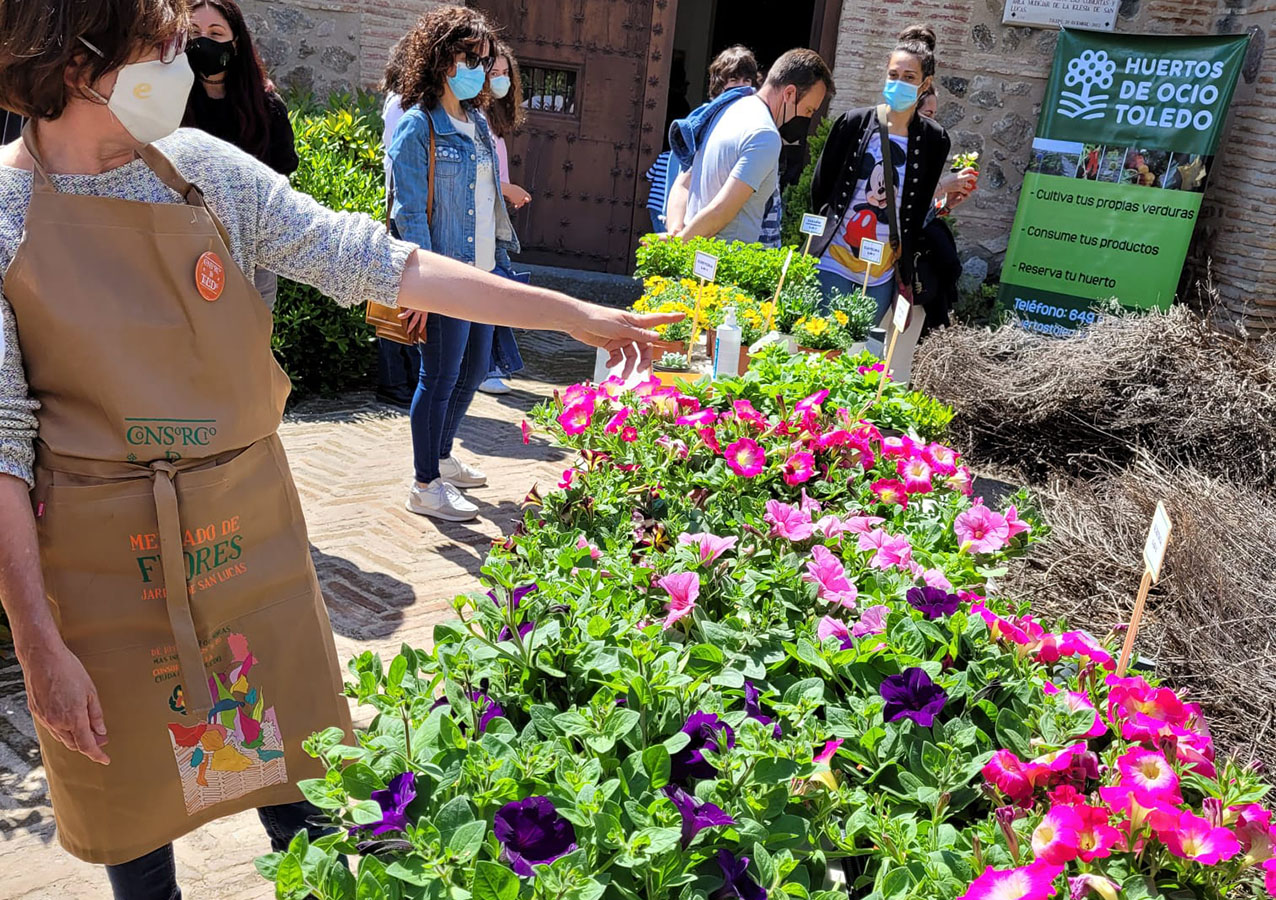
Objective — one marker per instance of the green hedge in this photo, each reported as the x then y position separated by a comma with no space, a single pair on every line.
326,349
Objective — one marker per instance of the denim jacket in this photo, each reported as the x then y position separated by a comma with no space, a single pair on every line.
455,171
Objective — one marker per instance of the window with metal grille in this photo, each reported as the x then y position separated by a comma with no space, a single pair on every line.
550,90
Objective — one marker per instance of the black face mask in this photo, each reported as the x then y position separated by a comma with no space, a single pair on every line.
795,128
208,57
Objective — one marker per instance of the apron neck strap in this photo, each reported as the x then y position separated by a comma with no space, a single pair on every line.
156,161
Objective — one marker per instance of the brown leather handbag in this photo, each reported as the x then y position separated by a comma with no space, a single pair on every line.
385,319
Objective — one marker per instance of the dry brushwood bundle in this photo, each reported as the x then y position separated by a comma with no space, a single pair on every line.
1211,622
1162,382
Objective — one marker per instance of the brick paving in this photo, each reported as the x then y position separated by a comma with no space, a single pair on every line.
388,577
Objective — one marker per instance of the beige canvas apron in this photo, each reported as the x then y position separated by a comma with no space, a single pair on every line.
172,542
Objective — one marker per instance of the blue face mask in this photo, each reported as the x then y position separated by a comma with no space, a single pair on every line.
500,85
467,82
900,95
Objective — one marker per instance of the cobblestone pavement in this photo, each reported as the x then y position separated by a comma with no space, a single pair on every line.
388,576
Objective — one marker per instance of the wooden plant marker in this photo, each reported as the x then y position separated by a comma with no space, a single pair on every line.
1153,556
706,269
775,301
812,226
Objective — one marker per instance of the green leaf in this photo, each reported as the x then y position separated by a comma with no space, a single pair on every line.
290,884
366,812
806,652
660,840
411,870
494,882
467,839
452,815
316,791
368,887
268,866
655,761
360,781
1013,733
394,678
774,771
573,724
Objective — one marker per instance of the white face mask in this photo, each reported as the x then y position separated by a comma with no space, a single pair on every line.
150,97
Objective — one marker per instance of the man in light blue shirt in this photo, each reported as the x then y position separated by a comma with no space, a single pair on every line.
735,172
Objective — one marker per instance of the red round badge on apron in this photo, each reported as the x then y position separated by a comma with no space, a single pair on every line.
210,276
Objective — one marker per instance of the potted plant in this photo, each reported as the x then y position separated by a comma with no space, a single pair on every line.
673,369
854,314
825,335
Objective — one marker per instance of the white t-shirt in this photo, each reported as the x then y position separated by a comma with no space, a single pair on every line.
485,199
391,113
866,217
742,143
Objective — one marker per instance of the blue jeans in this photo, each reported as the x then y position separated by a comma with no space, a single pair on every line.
154,876
454,362
883,294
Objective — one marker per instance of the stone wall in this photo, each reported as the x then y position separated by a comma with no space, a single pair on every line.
991,83
329,45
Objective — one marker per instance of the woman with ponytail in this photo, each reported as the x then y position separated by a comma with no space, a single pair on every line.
864,197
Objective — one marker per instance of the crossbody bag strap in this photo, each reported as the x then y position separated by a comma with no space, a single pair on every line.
888,174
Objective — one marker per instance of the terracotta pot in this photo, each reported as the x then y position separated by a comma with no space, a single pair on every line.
674,379
659,348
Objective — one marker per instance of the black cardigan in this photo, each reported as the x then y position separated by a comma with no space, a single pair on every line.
834,181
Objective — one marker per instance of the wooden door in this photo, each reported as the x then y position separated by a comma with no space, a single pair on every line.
595,74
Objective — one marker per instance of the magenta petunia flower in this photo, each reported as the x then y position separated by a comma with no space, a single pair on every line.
799,468
1255,833
788,522
1056,839
1195,838
980,530
532,832
1032,882
710,545
829,751
830,627
569,475
916,474
891,491
900,447
963,482
705,731
1151,776
683,589
1006,771
827,573
888,552
745,412
617,422
700,419
576,417
746,458
676,447
1095,837
696,816
812,402
710,438
1077,701
1088,884
629,434
912,695
527,431
942,460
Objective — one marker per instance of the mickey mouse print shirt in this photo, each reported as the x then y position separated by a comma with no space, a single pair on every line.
866,216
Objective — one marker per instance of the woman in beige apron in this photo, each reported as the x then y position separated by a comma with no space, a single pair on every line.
158,578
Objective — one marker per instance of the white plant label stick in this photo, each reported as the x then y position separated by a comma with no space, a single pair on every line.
706,265
871,251
1158,538
901,314
814,225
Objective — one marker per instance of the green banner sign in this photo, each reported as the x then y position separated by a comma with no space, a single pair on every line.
1129,129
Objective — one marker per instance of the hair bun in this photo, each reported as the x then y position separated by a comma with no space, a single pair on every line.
921,33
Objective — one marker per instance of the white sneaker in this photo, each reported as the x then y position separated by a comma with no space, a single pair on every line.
441,501
460,474
494,386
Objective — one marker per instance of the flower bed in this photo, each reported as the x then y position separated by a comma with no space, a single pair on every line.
749,648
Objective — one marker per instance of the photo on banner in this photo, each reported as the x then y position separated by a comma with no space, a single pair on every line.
1129,129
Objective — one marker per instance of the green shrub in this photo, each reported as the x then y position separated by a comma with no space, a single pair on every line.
797,197
750,267
326,349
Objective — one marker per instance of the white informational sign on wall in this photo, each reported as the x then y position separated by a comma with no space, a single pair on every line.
1095,15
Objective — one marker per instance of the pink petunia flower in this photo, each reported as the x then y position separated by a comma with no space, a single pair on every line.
582,543
916,474
1086,884
811,403
963,482
527,431
711,546
1151,776
1006,771
580,393
746,458
980,530
859,451
891,491
683,589
830,627
576,418
569,475
872,621
898,447
830,749
1269,877
1255,833
710,438
809,505
827,573
1032,882
788,522
1015,524
1095,836
942,460
888,551
1195,838
1055,839
799,468
616,422
1077,701
745,412
936,579
1125,800
629,434
701,419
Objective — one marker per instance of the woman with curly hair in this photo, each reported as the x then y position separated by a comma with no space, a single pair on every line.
154,564
447,198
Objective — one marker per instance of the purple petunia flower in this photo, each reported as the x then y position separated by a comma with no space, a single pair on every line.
695,816
736,883
912,695
394,801
753,707
515,598
933,602
689,762
532,833
523,631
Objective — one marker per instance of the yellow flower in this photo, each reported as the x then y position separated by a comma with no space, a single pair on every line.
841,317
